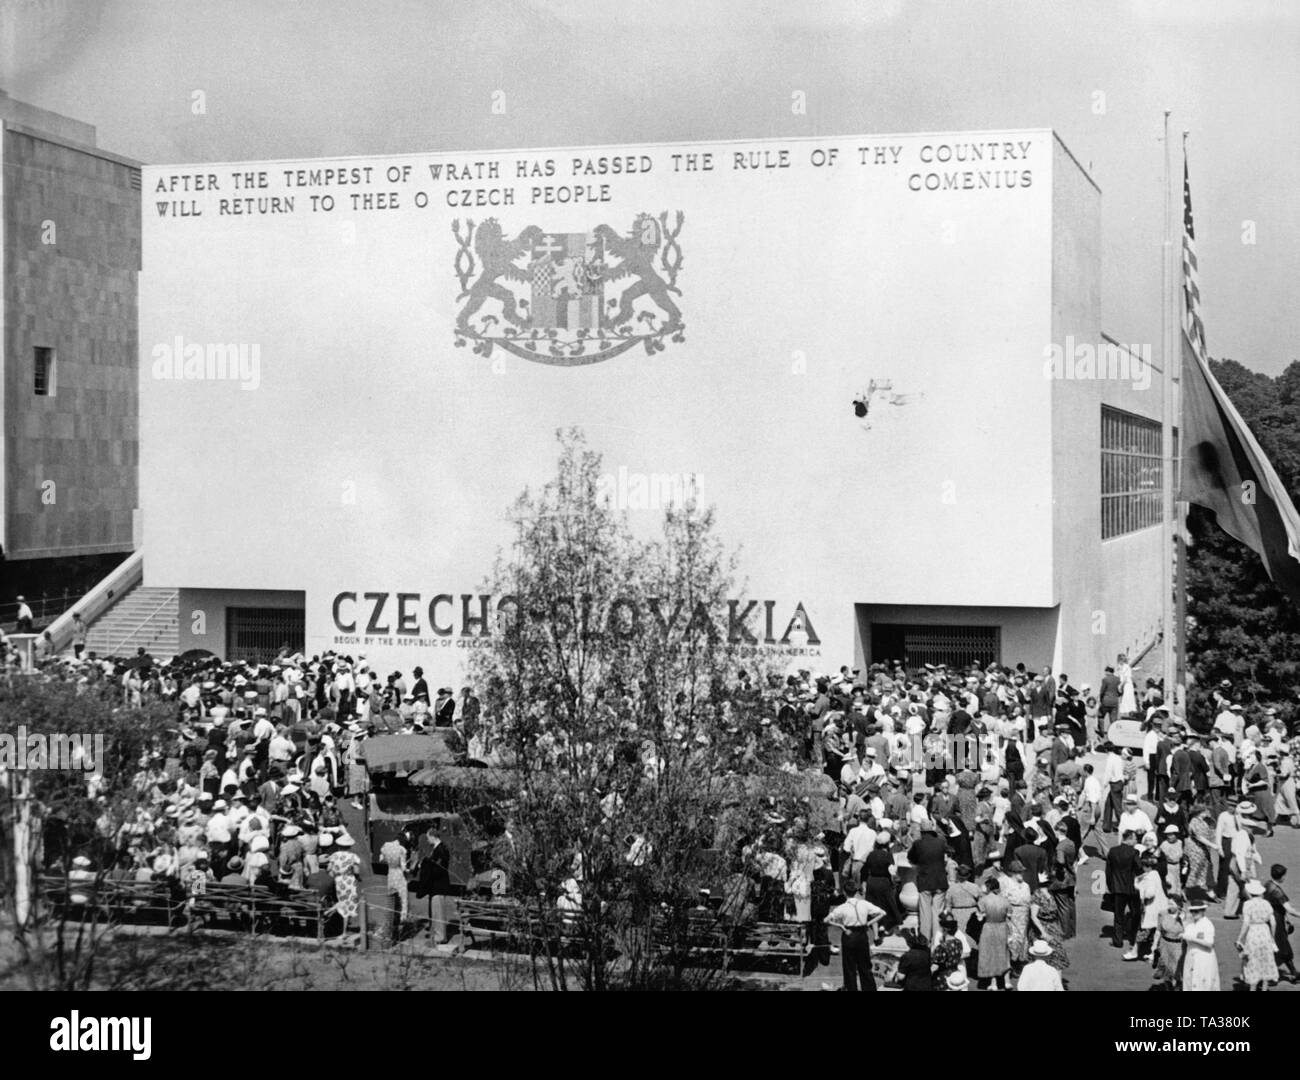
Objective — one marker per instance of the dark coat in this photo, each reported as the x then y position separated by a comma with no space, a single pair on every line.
1034,859
927,855
1122,870
434,878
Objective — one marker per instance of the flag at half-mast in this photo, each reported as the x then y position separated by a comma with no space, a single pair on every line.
1223,467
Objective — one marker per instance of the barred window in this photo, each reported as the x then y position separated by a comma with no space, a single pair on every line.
259,634
1131,494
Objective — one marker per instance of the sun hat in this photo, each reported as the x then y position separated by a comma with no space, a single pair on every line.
1040,948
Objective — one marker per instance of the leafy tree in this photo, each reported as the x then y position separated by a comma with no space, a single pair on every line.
1241,627
67,812
610,685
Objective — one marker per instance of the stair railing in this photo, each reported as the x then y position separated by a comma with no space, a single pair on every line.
171,597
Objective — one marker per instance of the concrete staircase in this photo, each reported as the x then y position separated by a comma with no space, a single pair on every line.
141,617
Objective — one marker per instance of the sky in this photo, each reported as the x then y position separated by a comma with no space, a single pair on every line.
316,78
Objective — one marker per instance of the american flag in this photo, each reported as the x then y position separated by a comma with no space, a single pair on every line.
1191,290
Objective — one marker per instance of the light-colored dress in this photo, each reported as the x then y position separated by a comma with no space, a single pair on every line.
1258,956
1200,963
1127,698
343,866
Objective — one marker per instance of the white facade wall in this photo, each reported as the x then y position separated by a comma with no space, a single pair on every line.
371,454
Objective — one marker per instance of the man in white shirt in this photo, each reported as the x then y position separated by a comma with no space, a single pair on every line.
856,917
218,827
1134,818
263,729
1113,777
859,843
1229,721
1150,749
345,686
851,770
1242,866
281,749
872,769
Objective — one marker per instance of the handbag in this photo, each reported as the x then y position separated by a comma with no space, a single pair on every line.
1108,902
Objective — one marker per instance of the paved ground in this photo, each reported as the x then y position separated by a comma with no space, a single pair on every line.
1096,965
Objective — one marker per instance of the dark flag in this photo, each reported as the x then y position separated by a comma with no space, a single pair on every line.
1223,467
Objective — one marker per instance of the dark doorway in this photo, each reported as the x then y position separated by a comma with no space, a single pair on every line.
261,634
916,646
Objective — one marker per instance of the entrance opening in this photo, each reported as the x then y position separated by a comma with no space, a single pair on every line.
262,634
916,646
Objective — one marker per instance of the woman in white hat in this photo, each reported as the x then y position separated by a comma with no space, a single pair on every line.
343,866
1256,943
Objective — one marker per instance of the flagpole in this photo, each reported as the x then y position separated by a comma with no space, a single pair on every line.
1167,434
1180,533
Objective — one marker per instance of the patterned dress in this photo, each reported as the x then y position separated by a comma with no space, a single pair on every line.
1053,932
343,866
1017,894
1198,850
1063,888
1258,960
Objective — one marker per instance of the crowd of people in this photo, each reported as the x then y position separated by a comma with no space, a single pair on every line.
248,787
969,799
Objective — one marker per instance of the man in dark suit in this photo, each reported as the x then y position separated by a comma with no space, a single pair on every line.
1060,753
960,721
1164,748
420,688
1108,702
434,881
1181,780
1044,696
927,855
1121,883
1200,767
1034,857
